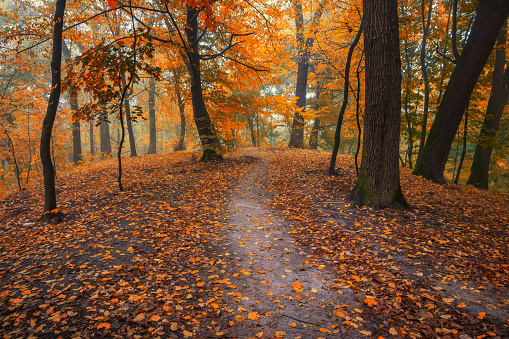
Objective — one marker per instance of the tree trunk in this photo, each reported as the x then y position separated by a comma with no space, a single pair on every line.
208,137
130,132
464,150
337,135
181,104
407,115
73,101
91,133
104,129
250,122
488,23
304,47
313,139
498,99
424,70
50,198
378,182
76,131
152,147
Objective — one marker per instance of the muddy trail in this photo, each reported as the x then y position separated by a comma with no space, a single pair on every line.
281,291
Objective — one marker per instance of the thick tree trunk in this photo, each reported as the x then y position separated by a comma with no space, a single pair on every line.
50,198
488,23
337,135
304,47
208,137
424,70
181,146
378,182
104,129
130,132
498,99
152,147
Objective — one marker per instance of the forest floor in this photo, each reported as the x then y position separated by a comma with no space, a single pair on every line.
260,245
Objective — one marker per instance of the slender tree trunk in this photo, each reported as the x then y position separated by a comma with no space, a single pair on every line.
50,198
251,130
130,132
424,70
104,129
464,150
378,182
73,101
490,17
208,137
407,115
181,146
152,147
453,31
313,139
357,115
498,99
337,135
304,47
76,131
91,135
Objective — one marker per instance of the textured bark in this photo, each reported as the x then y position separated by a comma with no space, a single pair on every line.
104,129
304,46
152,146
337,134
378,182
130,132
424,71
486,27
208,137
50,198
498,99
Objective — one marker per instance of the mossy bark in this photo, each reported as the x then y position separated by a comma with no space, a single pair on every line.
378,182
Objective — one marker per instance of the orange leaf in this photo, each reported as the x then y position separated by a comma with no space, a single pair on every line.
103,325
462,305
253,316
370,301
112,4
324,330
155,317
481,315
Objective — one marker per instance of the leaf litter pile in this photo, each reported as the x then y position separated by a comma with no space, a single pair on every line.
149,262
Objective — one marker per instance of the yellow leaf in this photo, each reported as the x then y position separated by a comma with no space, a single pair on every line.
259,334
366,332
242,309
188,334
139,317
253,316
174,326
448,300
314,290
393,331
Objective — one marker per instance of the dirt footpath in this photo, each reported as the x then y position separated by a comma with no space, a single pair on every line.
280,291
